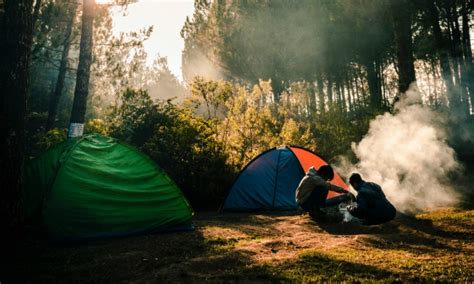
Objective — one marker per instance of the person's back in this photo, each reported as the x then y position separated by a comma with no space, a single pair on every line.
310,181
379,209
371,205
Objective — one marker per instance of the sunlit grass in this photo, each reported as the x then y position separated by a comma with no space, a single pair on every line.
369,264
448,214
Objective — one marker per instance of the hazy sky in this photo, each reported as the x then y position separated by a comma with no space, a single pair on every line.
167,18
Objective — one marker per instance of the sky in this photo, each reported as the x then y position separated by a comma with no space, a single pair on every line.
167,18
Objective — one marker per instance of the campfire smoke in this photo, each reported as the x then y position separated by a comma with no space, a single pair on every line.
407,154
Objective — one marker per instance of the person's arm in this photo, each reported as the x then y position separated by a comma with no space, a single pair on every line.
336,188
358,208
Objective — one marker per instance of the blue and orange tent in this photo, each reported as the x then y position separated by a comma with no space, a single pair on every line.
270,180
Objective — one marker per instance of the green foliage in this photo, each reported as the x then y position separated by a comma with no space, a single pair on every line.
297,133
96,126
334,132
132,121
184,145
251,122
43,141
249,126
186,148
213,93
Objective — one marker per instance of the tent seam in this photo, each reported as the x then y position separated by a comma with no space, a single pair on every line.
239,174
299,162
276,179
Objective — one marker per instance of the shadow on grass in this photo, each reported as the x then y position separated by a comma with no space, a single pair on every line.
218,267
264,224
408,233
349,228
449,227
452,228
110,259
316,267
411,243
179,256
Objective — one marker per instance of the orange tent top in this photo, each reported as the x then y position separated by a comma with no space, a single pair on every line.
308,159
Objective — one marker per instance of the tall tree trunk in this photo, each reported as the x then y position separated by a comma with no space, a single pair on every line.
338,91
378,70
467,51
15,44
453,95
311,98
401,19
329,91
457,57
358,88
374,87
454,37
319,82
466,38
350,86
277,88
76,127
343,92
340,94
63,65
361,93
36,12
436,86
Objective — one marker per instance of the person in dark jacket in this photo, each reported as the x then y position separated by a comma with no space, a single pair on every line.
371,205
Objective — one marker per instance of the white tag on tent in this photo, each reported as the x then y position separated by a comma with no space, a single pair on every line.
75,130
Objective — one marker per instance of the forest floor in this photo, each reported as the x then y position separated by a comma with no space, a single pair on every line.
271,247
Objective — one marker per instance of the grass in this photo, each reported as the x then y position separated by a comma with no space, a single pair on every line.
448,214
368,264
272,247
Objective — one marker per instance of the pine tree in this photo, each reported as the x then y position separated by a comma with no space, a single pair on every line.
76,127
15,44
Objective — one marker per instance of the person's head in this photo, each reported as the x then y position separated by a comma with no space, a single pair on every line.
355,180
326,172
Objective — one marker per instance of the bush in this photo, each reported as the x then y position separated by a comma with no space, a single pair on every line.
42,141
182,144
96,126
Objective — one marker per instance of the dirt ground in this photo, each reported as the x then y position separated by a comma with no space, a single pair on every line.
269,247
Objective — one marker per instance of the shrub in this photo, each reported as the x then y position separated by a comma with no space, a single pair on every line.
181,143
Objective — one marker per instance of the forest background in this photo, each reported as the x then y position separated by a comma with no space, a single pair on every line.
257,74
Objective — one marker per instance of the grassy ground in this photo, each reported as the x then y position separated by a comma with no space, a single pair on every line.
271,247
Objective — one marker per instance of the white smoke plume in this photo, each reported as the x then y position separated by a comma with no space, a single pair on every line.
407,154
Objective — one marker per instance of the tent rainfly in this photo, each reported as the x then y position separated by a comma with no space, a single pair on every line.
95,186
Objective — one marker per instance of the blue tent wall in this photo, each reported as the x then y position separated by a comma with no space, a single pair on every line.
268,182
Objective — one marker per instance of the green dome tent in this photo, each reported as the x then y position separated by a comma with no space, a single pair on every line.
95,186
